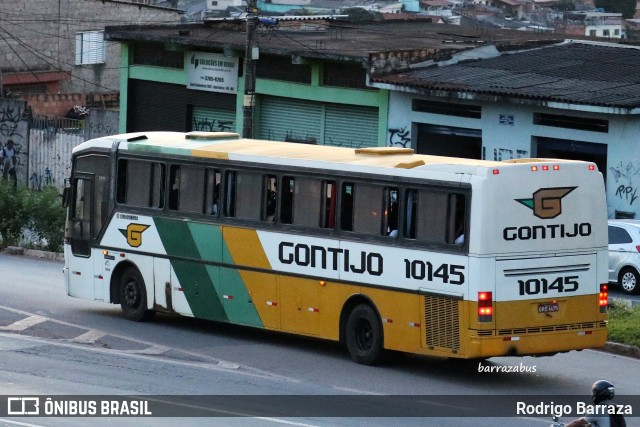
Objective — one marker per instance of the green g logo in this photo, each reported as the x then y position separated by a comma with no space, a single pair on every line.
547,202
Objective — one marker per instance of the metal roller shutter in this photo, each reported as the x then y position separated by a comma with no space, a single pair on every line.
283,119
351,126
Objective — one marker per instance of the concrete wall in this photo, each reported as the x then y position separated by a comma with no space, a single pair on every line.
45,41
101,123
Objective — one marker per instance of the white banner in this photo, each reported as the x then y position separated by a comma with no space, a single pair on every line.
212,72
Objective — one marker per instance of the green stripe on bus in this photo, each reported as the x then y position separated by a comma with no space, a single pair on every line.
159,149
195,280
236,301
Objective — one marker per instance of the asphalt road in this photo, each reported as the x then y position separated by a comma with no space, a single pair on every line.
53,344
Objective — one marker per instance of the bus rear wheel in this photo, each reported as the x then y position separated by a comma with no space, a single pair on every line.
133,296
363,333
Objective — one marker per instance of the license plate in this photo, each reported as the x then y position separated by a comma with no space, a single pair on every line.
548,307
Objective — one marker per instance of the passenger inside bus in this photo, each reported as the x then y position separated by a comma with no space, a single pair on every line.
392,225
216,197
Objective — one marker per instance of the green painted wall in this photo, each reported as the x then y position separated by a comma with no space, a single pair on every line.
311,92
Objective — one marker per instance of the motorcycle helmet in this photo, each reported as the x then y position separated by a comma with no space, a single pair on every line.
602,390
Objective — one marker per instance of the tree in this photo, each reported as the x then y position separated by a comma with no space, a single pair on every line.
13,215
626,7
46,217
358,14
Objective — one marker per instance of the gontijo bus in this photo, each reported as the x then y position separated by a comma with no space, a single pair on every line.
379,248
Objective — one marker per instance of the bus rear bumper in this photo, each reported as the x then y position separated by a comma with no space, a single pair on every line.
536,343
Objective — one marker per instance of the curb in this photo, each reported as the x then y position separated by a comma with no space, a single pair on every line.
621,349
34,253
610,346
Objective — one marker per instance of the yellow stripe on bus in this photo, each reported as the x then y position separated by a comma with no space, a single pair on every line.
246,250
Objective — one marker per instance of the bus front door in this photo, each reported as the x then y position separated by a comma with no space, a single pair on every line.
80,262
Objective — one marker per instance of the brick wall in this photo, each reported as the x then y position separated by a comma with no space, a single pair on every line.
58,105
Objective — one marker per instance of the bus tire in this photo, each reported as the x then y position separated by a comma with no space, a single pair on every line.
133,296
363,333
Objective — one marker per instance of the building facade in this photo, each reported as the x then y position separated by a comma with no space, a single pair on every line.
58,46
534,103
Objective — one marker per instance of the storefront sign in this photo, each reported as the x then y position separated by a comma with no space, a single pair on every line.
212,72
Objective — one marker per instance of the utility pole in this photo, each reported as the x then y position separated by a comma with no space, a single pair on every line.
249,70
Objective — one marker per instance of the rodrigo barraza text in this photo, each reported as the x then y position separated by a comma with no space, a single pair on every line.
579,409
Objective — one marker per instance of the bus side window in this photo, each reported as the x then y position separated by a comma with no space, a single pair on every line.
410,214
174,189
368,210
432,220
230,194
435,216
390,227
328,197
212,200
286,199
249,196
269,198
346,206
458,214
192,184
140,183
306,201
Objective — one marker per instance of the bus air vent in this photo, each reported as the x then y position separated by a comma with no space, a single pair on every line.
442,323
211,136
410,165
553,328
384,151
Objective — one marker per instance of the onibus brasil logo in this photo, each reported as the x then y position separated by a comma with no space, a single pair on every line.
133,233
546,203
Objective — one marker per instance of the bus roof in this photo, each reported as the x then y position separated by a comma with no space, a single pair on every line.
229,146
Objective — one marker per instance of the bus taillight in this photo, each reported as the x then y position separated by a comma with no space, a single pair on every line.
603,297
485,306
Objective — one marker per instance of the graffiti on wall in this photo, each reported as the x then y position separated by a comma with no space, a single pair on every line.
101,129
627,181
38,181
213,125
10,118
13,127
50,160
399,137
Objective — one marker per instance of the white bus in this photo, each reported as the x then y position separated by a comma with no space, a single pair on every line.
379,248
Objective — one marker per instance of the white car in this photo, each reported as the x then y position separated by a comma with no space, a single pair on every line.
624,254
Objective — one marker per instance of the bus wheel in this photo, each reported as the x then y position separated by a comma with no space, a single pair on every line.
364,335
133,296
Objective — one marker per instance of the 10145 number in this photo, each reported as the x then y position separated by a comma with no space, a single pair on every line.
420,270
537,286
